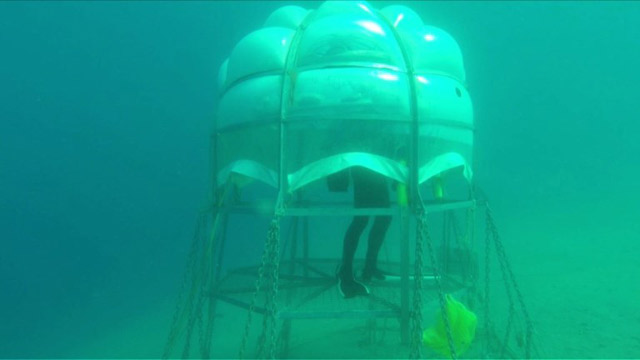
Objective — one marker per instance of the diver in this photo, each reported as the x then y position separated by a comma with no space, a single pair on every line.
370,190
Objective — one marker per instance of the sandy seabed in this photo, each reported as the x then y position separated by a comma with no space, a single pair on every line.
579,283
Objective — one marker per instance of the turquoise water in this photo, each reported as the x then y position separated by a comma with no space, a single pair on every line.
104,149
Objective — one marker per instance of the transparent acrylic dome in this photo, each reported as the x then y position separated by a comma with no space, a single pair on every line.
317,91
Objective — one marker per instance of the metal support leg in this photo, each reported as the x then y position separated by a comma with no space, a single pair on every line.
215,278
404,275
305,245
286,323
446,220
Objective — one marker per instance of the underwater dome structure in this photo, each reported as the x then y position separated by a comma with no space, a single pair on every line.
304,98
314,92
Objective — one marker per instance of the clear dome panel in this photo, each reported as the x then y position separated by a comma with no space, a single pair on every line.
362,9
445,113
348,97
257,145
402,18
349,40
251,101
287,17
442,148
222,74
351,93
264,50
433,50
314,142
442,99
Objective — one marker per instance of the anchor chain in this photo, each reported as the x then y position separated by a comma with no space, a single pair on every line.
252,304
508,290
268,337
189,305
487,276
423,226
268,274
272,311
196,280
510,279
179,308
416,314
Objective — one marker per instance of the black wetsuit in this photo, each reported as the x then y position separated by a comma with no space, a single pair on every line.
370,190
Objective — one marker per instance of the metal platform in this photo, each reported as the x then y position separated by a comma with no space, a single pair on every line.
315,295
296,285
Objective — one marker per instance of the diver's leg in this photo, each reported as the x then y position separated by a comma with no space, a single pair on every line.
351,239
376,195
376,237
348,286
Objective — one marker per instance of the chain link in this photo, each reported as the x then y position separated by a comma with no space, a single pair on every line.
205,277
275,261
436,274
268,274
188,274
267,339
260,345
510,279
196,280
416,314
252,304
487,276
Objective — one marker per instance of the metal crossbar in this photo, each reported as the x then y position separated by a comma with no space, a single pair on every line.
346,210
